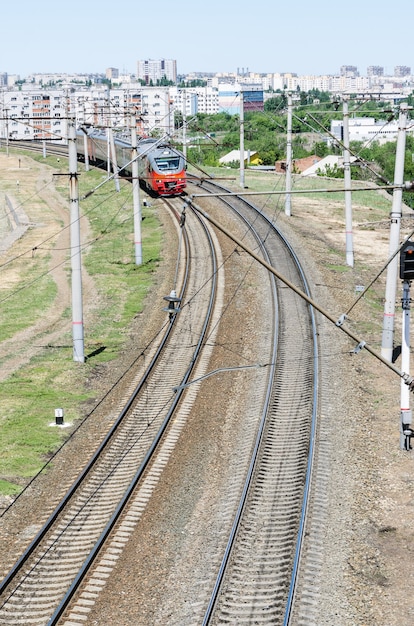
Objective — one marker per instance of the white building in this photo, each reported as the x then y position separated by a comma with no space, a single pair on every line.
152,70
42,114
192,100
367,129
33,115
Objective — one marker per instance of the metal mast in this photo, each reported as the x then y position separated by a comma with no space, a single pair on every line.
348,195
241,140
395,217
75,249
135,191
289,158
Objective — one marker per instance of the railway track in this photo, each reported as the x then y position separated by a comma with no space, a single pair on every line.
260,576
262,568
106,502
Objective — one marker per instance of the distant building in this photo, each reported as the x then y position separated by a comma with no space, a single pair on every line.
112,73
251,157
349,70
366,128
152,71
402,70
298,165
41,113
193,100
375,70
38,114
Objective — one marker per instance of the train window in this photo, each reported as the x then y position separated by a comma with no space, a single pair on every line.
168,163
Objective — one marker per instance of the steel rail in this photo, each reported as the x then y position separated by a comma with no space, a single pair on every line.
150,453
254,458
98,453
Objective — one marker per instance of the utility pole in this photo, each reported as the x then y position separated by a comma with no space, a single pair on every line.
395,218
135,191
241,140
75,248
349,247
113,158
85,138
185,125
289,158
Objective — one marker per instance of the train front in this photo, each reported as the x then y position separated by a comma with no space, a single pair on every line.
167,170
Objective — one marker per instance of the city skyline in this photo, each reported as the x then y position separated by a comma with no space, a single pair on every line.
224,37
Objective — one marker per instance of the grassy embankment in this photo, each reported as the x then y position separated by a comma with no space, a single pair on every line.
29,396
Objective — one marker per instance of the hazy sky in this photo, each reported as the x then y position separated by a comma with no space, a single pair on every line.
301,36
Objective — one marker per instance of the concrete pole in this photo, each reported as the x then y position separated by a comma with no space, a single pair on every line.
135,191
85,140
185,125
241,140
349,246
405,365
75,248
86,151
113,158
289,158
395,218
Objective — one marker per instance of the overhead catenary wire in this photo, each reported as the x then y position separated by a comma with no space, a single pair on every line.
360,344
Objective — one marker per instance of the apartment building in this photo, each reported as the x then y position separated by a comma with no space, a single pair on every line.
152,70
33,115
42,114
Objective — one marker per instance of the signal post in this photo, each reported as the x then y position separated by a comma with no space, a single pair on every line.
407,275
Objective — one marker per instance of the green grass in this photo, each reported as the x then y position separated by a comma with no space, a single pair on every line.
314,188
21,306
29,397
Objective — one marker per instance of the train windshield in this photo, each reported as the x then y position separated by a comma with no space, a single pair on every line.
168,163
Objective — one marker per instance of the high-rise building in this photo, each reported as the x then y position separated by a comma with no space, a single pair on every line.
349,70
402,70
112,73
152,71
375,70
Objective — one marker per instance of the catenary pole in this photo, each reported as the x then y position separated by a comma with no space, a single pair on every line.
349,245
185,125
288,197
85,138
113,158
86,150
135,191
241,139
75,248
395,219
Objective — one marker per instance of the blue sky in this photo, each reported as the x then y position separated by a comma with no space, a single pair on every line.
304,36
